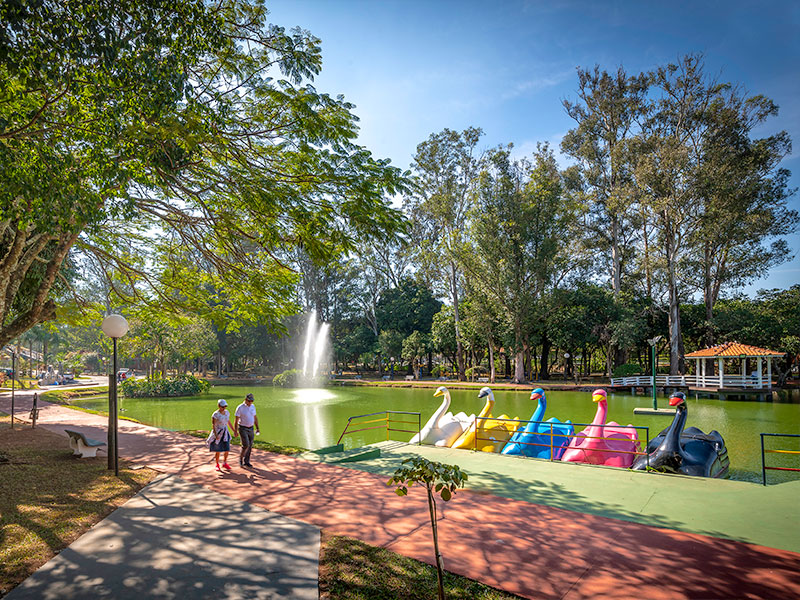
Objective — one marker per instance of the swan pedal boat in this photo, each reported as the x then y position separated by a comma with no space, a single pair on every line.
603,443
443,428
493,432
685,451
534,439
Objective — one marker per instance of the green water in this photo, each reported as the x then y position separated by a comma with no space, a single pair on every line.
313,418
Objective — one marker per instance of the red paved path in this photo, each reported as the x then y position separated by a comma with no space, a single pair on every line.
531,550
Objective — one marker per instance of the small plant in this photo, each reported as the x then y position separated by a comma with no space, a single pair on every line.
183,385
627,370
437,478
288,378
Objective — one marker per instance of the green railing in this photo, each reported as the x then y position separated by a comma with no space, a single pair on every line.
387,422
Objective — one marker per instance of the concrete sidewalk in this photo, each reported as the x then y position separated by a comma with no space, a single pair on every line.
177,540
527,548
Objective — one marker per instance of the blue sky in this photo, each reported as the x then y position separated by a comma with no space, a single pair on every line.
413,67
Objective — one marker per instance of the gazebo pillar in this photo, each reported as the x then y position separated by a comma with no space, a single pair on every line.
769,372
721,372
697,373
760,377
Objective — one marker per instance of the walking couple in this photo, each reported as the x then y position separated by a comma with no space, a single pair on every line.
245,421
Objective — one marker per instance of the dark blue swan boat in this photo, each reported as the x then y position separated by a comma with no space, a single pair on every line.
685,451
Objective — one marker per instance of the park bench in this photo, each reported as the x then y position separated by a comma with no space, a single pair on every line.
409,378
483,380
80,444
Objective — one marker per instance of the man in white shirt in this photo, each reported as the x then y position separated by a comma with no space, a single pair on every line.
243,426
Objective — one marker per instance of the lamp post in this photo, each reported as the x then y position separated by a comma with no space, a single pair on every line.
114,326
653,342
13,374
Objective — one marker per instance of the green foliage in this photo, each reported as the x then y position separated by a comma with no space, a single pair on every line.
476,371
157,387
627,370
288,378
436,477
407,308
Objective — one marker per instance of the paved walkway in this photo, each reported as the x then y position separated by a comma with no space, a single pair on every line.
533,550
178,540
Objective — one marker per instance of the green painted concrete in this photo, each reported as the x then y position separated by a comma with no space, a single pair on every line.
735,510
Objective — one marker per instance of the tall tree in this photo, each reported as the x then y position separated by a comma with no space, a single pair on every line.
607,113
743,197
518,230
446,166
179,144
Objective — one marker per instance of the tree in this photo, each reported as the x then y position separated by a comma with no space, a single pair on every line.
407,308
415,347
180,147
607,114
743,198
518,232
446,169
437,478
390,343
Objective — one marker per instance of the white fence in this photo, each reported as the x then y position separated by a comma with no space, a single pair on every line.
711,381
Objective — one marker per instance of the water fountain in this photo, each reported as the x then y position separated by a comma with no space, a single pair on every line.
314,350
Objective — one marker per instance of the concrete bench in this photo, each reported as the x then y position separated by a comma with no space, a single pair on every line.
80,444
483,380
409,378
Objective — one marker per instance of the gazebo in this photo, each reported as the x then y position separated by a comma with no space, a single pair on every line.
733,350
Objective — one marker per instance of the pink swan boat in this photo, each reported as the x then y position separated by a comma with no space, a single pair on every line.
603,443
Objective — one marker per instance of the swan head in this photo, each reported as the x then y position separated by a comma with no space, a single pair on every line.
678,399
599,395
485,391
440,391
537,394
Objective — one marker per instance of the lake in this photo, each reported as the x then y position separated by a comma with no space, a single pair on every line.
313,418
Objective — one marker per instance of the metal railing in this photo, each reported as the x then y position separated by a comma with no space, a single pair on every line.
553,434
386,421
764,452
735,381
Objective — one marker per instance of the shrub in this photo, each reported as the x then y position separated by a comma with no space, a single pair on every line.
475,371
288,378
627,370
438,371
182,385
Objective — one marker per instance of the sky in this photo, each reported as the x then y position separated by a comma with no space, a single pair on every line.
413,68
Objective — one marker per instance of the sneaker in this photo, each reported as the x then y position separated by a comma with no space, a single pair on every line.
227,466
218,469
247,464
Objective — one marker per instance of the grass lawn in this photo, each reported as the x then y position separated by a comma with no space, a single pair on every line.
352,570
49,497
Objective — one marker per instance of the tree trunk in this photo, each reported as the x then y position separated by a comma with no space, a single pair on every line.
544,368
439,565
456,322
491,363
519,367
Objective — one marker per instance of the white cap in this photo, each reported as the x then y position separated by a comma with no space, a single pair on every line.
221,402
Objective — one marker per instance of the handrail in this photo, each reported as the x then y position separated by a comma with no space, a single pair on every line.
553,434
386,421
764,467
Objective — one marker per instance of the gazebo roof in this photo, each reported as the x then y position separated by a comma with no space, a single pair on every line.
733,349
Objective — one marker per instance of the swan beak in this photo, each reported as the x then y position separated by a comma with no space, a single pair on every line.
675,400
437,393
598,398
535,396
